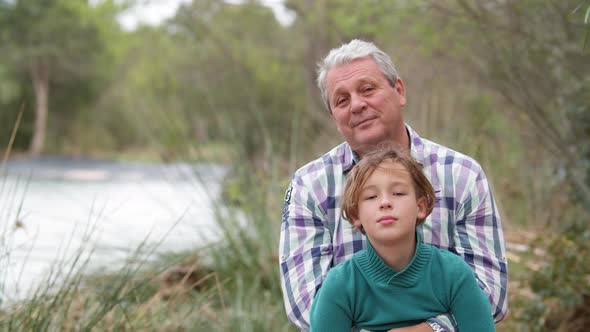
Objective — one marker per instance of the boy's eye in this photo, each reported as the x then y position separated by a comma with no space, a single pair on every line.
370,197
399,193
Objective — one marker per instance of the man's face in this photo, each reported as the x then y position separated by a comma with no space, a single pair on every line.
366,108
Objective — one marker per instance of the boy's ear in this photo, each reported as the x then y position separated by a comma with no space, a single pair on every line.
422,213
357,224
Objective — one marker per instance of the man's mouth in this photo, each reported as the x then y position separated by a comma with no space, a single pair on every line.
363,121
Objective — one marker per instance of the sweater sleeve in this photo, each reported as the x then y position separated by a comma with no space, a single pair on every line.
468,303
330,309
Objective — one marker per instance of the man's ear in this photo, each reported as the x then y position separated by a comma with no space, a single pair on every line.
401,91
422,213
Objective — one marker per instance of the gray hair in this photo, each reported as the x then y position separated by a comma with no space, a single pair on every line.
355,49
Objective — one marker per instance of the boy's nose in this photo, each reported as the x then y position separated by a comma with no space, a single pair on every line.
386,202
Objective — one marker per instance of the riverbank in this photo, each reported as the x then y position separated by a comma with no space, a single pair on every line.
51,207
231,284
211,152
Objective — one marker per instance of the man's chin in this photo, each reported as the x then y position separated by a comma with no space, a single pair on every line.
368,145
369,140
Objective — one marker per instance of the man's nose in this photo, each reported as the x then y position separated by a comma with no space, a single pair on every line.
357,104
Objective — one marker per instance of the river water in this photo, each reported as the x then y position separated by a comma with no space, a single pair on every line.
52,207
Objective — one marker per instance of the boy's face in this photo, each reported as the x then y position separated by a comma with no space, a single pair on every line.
388,207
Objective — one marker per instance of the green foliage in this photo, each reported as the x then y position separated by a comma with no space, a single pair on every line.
561,285
371,19
60,45
578,113
63,34
250,78
584,9
565,275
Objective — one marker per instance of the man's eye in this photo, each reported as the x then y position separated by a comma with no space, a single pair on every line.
341,101
368,89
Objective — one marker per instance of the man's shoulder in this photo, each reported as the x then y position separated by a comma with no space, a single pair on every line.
337,158
437,154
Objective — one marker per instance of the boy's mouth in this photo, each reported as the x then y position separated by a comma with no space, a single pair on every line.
386,220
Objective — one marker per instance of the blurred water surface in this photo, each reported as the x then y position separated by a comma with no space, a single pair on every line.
50,208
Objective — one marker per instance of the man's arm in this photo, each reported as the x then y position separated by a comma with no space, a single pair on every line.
305,252
422,327
479,239
442,323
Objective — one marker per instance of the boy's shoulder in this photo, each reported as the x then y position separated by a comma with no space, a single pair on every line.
448,262
346,268
340,278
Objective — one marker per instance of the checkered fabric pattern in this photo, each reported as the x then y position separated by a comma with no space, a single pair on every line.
465,221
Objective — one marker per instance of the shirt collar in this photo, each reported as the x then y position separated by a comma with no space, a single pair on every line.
350,157
416,145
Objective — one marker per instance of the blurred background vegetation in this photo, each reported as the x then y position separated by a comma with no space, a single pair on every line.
507,82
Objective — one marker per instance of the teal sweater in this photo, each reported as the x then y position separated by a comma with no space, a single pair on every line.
367,293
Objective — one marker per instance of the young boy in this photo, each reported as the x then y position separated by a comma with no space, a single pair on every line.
397,280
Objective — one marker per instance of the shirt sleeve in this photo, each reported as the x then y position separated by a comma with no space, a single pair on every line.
442,323
305,252
479,239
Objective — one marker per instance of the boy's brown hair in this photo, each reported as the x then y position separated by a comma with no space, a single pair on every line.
361,172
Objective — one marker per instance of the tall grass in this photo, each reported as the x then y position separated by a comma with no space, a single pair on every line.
232,284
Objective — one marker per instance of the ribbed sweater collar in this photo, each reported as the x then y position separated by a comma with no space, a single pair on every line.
375,269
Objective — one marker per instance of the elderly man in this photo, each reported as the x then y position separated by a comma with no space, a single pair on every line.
365,96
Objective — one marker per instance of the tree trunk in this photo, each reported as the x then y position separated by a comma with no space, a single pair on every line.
40,77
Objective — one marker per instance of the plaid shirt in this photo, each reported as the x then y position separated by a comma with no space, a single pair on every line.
465,220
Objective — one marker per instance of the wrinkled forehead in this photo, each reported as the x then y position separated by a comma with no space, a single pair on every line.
362,69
